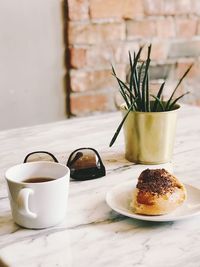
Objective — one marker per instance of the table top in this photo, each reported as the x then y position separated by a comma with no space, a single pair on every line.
92,234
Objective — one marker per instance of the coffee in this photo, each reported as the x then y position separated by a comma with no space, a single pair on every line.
38,180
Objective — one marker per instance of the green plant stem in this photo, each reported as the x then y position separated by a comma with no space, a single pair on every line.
136,92
123,90
159,102
145,90
159,95
145,84
133,81
147,95
120,126
175,101
130,82
139,87
171,97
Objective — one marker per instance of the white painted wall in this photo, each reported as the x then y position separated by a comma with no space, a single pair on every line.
31,62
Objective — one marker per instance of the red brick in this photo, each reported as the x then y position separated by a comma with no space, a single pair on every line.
82,80
176,7
198,27
191,86
133,9
186,27
77,57
167,7
78,9
169,88
140,29
82,104
98,37
121,51
155,86
182,7
103,55
183,65
87,33
106,9
116,9
100,56
162,70
181,49
196,7
165,27
153,7
159,51
197,102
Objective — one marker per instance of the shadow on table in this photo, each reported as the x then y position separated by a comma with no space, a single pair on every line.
7,225
115,157
115,217
3,264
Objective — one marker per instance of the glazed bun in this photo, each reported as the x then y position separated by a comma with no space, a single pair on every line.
157,192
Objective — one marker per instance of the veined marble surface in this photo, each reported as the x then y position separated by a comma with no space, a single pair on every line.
92,234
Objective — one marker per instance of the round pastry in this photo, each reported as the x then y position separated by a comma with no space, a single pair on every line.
157,192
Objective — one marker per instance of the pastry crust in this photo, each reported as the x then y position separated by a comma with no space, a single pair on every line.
157,192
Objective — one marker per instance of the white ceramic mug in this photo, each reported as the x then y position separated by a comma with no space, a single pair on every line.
40,204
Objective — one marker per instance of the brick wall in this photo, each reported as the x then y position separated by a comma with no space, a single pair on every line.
101,32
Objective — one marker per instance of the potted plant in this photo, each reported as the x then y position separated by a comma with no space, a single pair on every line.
149,120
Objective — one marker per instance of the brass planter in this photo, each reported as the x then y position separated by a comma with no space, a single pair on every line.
149,136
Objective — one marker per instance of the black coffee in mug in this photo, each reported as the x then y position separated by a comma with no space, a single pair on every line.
38,180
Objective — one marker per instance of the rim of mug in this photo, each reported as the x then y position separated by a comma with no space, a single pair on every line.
38,162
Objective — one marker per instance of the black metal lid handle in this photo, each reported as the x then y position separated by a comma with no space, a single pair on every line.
84,148
37,152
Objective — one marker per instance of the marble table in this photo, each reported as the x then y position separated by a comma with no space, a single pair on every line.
92,234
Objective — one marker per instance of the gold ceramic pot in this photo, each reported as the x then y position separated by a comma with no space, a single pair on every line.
149,136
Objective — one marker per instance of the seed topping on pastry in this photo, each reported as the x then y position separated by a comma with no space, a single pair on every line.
157,181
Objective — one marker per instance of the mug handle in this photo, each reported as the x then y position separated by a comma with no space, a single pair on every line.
22,202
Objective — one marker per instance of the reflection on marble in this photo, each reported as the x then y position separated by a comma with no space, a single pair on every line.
92,234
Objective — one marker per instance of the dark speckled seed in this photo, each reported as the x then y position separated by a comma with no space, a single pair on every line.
157,181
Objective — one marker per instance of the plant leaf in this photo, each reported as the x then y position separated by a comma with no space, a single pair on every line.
132,102
170,99
159,102
120,125
121,89
120,81
133,77
139,87
174,102
113,70
122,84
145,88
123,94
159,94
147,95
130,82
125,89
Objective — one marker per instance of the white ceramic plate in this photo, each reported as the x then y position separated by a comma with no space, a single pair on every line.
119,198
